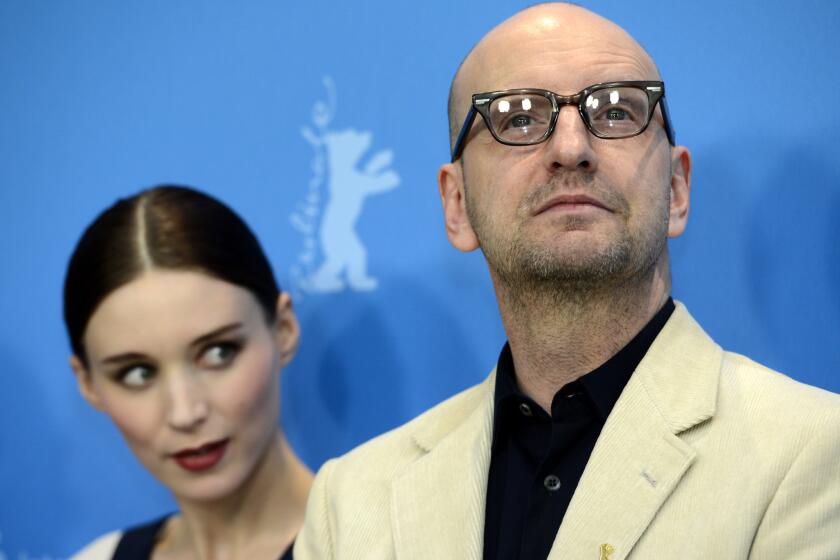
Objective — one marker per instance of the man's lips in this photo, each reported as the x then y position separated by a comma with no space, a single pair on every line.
570,201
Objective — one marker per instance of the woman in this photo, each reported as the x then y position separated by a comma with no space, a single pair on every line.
179,333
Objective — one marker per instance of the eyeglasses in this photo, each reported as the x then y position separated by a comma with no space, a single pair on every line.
522,117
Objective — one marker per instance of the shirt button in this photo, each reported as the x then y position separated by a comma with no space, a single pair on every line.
551,483
525,409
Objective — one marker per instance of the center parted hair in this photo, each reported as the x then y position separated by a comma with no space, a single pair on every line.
165,227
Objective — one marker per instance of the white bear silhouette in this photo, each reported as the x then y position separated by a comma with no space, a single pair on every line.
348,186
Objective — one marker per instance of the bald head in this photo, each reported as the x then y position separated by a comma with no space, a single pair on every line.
535,46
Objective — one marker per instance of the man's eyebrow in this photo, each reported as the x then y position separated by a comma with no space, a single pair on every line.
216,333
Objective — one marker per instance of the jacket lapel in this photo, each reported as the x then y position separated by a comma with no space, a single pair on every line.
438,502
639,458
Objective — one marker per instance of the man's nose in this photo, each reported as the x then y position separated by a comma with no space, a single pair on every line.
187,405
570,145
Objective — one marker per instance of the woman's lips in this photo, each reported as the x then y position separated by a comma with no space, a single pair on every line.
201,458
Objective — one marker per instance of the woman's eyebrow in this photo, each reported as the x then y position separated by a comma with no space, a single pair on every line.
215,333
125,357
137,356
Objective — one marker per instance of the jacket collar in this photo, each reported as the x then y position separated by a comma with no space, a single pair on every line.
639,458
439,500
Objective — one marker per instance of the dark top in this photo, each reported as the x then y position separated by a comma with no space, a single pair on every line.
138,542
537,460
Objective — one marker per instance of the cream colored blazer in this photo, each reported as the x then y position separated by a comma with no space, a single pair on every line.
706,455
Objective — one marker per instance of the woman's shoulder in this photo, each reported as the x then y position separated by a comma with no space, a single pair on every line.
101,549
136,542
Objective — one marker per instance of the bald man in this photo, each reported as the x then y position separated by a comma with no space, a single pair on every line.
612,427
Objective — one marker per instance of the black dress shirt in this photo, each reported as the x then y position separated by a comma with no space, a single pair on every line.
537,460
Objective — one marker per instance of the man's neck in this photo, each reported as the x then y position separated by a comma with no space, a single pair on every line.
559,334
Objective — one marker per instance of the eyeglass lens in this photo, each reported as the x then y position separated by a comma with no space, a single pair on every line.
610,113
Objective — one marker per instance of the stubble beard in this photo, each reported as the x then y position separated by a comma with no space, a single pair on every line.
529,270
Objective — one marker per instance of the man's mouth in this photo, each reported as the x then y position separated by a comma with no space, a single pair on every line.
570,202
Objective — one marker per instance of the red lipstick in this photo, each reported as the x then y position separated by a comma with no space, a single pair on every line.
201,458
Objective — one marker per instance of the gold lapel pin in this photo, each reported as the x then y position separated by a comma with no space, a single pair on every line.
606,551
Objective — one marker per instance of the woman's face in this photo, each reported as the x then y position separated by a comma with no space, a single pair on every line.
187,368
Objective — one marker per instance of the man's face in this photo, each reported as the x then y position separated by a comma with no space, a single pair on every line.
575,208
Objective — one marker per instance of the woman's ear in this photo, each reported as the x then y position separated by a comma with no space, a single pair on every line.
288,329
85,383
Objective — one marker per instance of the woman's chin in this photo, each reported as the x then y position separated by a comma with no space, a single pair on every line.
207,488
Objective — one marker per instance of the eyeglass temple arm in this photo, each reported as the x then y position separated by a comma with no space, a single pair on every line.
666,118
459,142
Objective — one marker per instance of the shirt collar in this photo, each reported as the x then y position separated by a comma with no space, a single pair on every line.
603,385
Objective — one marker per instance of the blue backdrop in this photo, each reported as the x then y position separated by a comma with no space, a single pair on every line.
323,124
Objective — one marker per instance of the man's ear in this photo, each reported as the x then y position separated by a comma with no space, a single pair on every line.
458,227
680,190
287,329
85,382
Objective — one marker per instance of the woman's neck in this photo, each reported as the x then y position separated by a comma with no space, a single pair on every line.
258,521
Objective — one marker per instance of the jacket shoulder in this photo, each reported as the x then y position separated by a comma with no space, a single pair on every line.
350,500
100,549
771,394
388,452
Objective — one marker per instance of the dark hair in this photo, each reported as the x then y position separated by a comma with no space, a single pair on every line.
169,227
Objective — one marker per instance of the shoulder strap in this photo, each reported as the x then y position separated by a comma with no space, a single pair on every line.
138,542
288,554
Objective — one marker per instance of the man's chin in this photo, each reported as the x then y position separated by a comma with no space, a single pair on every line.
576,251
575,268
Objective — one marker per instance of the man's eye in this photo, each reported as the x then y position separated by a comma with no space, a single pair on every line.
625,114
135,376
219,354
521,121
616,115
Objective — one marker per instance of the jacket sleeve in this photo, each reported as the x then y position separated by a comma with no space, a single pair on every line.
802,521
315,541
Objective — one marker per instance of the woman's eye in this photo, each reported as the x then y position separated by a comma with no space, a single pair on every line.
136,376
219,355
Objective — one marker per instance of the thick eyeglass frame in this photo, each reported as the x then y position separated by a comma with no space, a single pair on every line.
481,105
